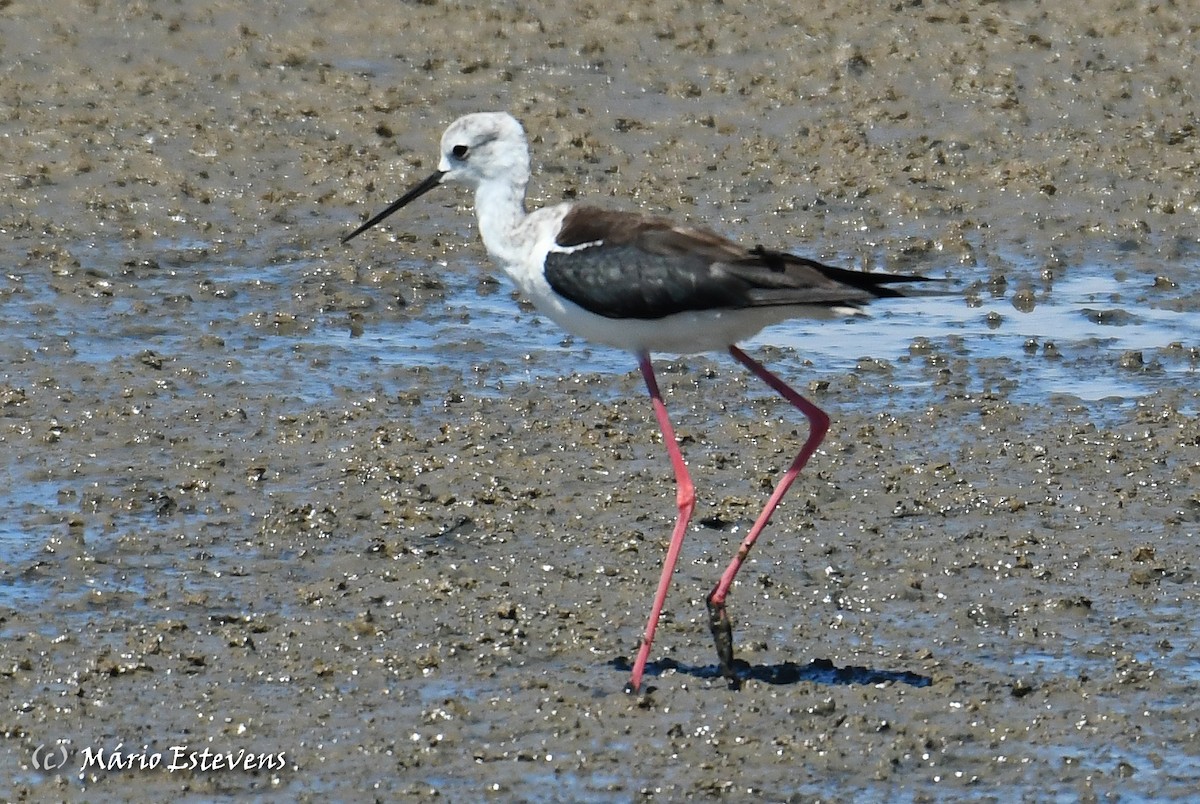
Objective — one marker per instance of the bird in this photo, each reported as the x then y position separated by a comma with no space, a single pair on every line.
644,284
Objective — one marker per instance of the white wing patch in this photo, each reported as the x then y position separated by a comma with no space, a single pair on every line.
555,247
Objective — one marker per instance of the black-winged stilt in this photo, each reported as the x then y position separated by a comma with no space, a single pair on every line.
644,284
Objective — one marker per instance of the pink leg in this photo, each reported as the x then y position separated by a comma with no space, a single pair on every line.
818,422
685,498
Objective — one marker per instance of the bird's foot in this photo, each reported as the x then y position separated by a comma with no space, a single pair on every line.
722,631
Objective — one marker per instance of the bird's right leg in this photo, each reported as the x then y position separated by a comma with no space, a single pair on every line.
685,500
818,420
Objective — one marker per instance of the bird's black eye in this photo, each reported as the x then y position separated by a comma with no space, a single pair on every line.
459,151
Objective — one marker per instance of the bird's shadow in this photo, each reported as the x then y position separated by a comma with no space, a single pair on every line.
818,671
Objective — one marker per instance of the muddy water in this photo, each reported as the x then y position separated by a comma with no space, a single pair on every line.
356,520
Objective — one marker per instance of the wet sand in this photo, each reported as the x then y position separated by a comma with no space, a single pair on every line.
227,530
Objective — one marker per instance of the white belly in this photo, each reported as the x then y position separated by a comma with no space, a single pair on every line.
682,333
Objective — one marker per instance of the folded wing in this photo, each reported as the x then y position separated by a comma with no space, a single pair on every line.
625,265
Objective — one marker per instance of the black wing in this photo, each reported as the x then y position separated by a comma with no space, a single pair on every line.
625,265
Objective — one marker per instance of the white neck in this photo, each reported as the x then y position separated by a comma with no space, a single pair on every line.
500,207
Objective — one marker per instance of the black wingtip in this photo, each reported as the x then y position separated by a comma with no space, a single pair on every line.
874,283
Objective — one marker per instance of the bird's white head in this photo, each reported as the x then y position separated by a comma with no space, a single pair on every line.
483,147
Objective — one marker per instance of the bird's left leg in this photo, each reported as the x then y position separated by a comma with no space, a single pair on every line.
818,421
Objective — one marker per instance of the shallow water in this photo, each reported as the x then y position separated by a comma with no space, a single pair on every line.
1068,338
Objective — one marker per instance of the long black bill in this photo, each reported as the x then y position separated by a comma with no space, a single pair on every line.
411,195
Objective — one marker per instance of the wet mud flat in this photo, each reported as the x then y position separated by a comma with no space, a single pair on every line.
324,569
421,607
